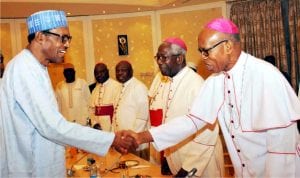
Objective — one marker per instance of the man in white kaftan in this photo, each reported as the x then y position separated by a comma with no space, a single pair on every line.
256,107
33,133
131,105
72,96
202,150
103,97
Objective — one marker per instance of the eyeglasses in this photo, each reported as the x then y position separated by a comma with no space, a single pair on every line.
164,58
63,38
204,51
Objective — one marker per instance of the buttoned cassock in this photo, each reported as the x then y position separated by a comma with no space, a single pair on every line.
32,131
72,99
202,150
131,108
257,110
104,95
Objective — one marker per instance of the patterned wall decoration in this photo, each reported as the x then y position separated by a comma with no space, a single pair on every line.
187,26
5,42
139,34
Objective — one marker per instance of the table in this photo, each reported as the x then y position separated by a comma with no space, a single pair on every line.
108,165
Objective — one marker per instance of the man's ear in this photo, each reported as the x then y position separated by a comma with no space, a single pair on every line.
180,59
228,47
39,37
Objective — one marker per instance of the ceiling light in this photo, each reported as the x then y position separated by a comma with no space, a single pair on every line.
173,5
103,12
139,9
69,13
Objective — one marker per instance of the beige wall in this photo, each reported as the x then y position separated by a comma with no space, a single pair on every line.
187,25
140,47
95,39
6,41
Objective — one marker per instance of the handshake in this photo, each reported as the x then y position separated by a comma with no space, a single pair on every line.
126,140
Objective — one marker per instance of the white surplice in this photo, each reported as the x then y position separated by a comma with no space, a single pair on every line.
257,110
33,133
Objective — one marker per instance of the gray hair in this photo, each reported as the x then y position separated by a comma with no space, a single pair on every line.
175,49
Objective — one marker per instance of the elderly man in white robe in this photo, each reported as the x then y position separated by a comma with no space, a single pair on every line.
33,133
255,105
101,103
202,150
73,96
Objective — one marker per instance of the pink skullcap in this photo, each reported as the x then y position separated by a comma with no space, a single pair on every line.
223,25
177,41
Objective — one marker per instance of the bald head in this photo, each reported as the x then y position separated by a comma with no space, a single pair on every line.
219,45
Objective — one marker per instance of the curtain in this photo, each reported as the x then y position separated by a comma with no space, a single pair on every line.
270,27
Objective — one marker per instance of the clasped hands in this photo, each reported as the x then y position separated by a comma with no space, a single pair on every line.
127,141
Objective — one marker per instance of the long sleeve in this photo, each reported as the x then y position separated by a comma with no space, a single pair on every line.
32,130
173,132
34,94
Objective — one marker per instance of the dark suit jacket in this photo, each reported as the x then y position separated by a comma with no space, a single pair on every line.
92,86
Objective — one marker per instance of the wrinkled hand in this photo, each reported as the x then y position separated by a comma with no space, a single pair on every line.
124,142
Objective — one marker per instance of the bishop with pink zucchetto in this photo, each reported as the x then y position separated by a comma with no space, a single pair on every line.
223,25
253,102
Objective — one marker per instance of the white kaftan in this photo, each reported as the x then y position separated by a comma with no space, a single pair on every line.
257,110
33,133
202,150
104,95
72,99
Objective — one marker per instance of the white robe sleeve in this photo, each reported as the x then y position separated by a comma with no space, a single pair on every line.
173,132
35,96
